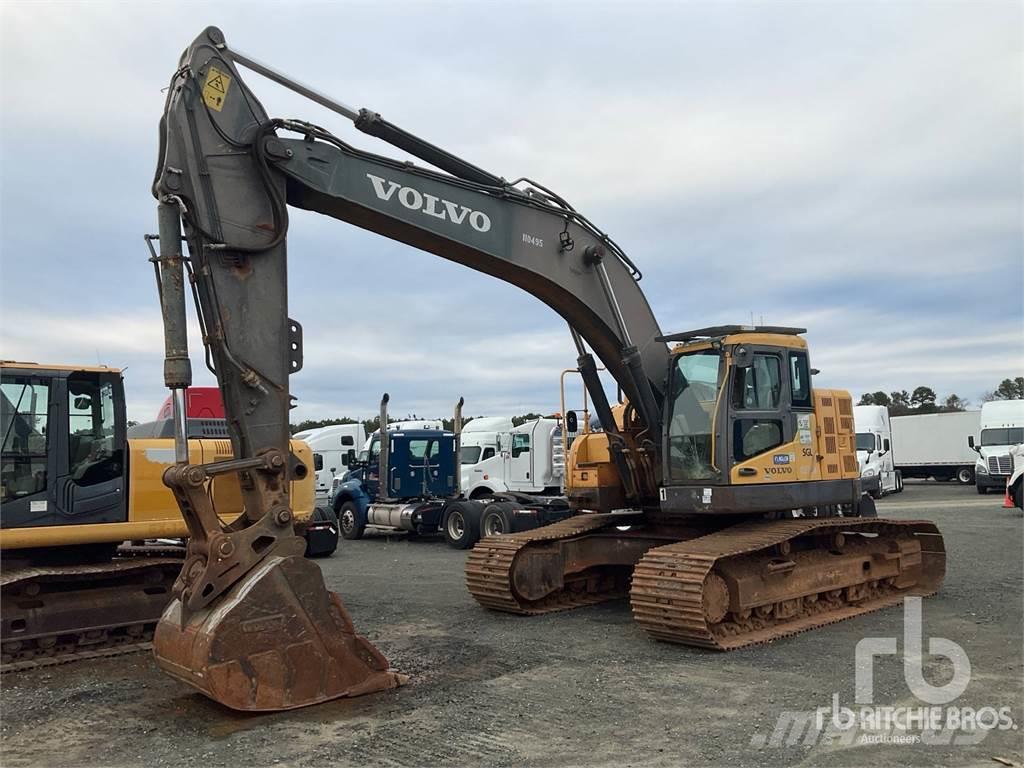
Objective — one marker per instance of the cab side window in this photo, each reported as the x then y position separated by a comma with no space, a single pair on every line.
758,386
520,445
800,379
488,454
93,457
25,403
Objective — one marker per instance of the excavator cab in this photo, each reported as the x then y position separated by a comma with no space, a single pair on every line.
745,432
64,445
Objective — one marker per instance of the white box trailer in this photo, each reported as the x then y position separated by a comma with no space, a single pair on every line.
935,445
926,445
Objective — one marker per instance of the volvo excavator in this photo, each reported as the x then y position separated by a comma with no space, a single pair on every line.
722,494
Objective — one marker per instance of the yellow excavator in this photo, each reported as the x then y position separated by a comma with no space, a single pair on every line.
83,505
722,494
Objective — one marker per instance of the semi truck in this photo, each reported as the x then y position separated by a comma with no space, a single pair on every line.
890,449
424,492
527,459
1001,428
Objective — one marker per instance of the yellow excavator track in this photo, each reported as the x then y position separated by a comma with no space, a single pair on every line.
756,582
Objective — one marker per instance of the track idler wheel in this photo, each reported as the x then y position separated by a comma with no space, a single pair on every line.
278,639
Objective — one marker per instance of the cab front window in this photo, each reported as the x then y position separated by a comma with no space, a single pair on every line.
693,394
866,441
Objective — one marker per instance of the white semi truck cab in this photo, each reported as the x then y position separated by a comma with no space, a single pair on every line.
526,459
331,446
1002,428
874,450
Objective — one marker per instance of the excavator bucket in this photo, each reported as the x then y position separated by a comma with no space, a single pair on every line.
278,639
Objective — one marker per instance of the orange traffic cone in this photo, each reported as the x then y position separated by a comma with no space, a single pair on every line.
1007,501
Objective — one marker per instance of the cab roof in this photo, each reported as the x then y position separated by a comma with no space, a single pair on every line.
767,335
717,331
45,367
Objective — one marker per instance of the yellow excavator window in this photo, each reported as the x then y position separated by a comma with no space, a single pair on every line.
693,394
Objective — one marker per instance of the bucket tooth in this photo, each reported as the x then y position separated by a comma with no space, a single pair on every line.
277,640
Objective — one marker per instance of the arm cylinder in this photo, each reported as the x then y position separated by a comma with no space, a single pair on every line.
177,366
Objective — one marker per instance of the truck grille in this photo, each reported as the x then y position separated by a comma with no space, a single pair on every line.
1000,465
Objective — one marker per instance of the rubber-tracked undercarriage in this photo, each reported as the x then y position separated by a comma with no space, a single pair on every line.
56,613
740,585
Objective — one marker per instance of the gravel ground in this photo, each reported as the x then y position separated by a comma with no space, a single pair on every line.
579,688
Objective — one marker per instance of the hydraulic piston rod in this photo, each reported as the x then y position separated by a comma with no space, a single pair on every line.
177,366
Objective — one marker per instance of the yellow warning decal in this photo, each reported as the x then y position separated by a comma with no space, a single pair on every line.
216,89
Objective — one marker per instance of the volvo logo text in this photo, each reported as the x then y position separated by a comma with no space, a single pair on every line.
429,205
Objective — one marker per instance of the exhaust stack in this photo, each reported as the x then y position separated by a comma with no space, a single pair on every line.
457,429
384,448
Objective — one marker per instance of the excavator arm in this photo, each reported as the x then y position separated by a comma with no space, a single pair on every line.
225,178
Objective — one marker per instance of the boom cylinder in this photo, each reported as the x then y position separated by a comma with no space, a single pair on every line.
177,366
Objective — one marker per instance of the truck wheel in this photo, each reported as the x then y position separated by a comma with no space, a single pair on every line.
347,517
497,519
322,534
965,475
899,482
462,524
1018,495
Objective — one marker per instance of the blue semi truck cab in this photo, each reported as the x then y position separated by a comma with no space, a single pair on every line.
421,478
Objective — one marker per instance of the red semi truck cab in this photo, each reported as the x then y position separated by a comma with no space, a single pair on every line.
200,403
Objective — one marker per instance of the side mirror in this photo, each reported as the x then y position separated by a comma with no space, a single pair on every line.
571,422
743,357
885,448
970,442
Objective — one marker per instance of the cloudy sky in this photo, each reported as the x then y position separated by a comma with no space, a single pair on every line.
852,167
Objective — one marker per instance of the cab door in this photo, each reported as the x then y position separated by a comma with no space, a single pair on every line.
760,416
90,482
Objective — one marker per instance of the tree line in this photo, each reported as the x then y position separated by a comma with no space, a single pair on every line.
925,400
